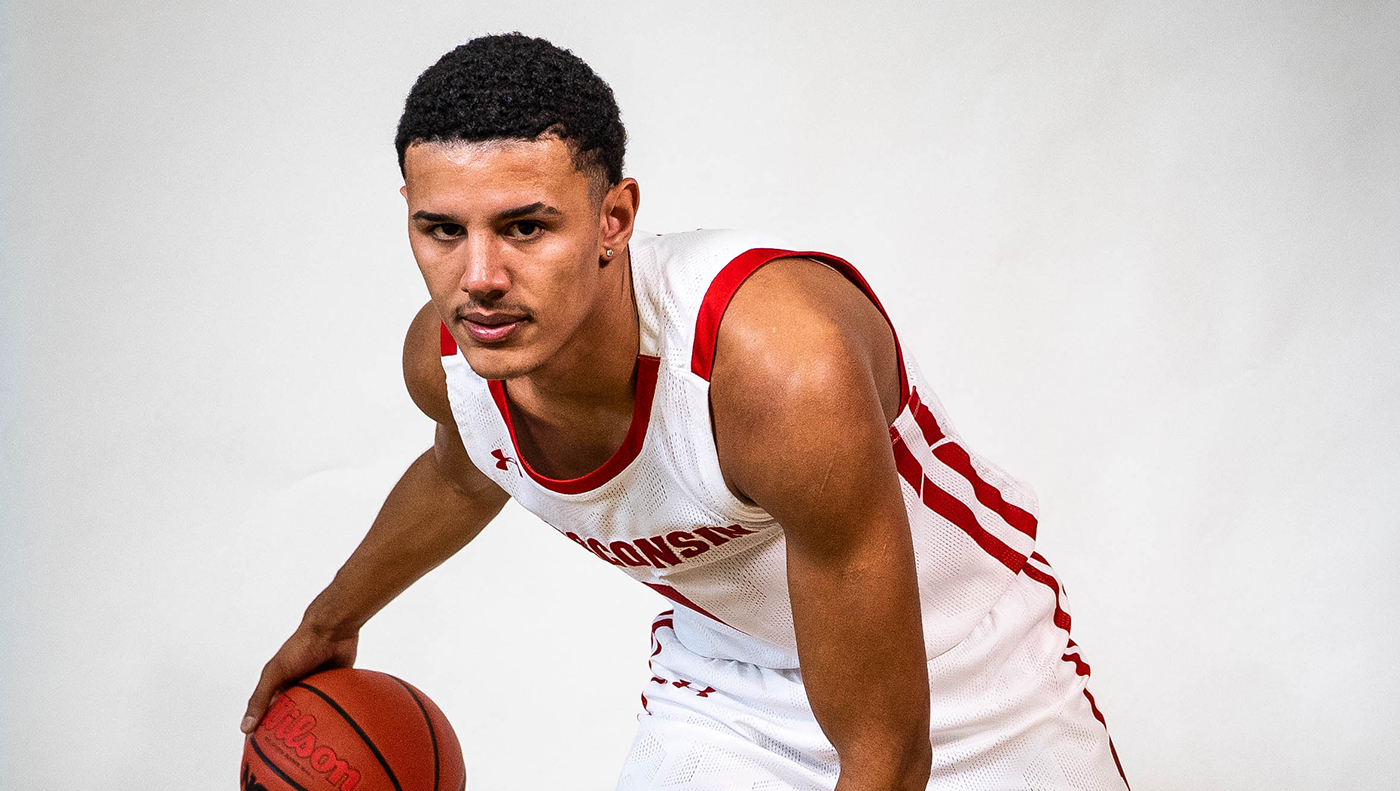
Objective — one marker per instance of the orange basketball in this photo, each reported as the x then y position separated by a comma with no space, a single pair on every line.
352,730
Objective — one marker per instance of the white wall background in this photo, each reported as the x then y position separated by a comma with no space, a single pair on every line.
1148,253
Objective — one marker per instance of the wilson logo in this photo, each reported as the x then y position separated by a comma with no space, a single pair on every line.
297,731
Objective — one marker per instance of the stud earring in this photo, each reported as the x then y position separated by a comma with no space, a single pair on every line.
608,252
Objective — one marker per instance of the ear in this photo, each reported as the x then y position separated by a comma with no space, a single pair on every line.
618,215
404,191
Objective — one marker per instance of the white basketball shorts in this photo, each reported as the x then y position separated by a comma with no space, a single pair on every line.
1009,710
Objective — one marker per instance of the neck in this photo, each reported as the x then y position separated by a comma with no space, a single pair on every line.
595,369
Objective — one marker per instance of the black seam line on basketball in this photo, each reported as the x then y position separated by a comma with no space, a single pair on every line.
351,720
274,767
432,734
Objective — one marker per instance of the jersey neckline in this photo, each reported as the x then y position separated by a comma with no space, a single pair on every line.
631,447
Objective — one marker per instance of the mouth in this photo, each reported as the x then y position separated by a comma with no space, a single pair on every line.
492,327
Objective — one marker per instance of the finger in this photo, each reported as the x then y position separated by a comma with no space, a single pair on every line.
268,683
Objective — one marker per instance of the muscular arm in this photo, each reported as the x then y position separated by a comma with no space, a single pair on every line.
804,387
441,503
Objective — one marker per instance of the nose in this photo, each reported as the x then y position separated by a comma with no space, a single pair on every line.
485,277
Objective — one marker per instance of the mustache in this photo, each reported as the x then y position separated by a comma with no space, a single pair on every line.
477,306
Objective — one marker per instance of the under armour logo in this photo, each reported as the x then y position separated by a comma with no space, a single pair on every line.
503,461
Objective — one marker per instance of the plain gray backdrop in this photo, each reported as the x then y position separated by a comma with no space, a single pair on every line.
1148,253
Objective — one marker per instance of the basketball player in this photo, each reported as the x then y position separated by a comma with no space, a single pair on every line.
857,600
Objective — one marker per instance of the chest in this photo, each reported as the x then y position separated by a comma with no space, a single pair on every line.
657,506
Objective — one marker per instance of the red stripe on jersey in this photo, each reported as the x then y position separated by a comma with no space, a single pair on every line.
733,275
906,465
1094,707
1062,619
953,455
957,512
1080,666
446,342
957,459
928,424
951,508
625,454
664,619
679,598
660,622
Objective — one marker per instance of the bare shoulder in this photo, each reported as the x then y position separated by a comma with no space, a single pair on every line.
422,366
805,364
427,385
797,325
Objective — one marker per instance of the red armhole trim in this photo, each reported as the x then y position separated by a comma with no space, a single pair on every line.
647,369
733,275
447,343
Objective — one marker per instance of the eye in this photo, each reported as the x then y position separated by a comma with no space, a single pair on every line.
524,229
447,230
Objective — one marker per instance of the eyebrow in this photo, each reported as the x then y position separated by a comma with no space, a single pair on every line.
537,208
534,208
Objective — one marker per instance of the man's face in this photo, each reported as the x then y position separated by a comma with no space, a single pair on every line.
508,237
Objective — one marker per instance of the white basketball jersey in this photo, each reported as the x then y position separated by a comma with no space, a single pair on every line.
659,509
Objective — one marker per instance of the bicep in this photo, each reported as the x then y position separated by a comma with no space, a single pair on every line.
423,374
803,390
427,385
457,469
810,446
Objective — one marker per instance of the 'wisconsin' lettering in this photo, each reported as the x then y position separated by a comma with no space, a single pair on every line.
661,551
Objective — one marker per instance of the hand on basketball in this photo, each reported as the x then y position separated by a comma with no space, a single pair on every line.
305,652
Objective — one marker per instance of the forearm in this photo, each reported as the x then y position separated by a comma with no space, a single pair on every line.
883,744
883,747
425,520
861,648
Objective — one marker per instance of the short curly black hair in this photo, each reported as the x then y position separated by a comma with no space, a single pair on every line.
515,87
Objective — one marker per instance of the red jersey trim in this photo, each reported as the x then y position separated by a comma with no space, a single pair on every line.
680,598
733,275
446,342
625,454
